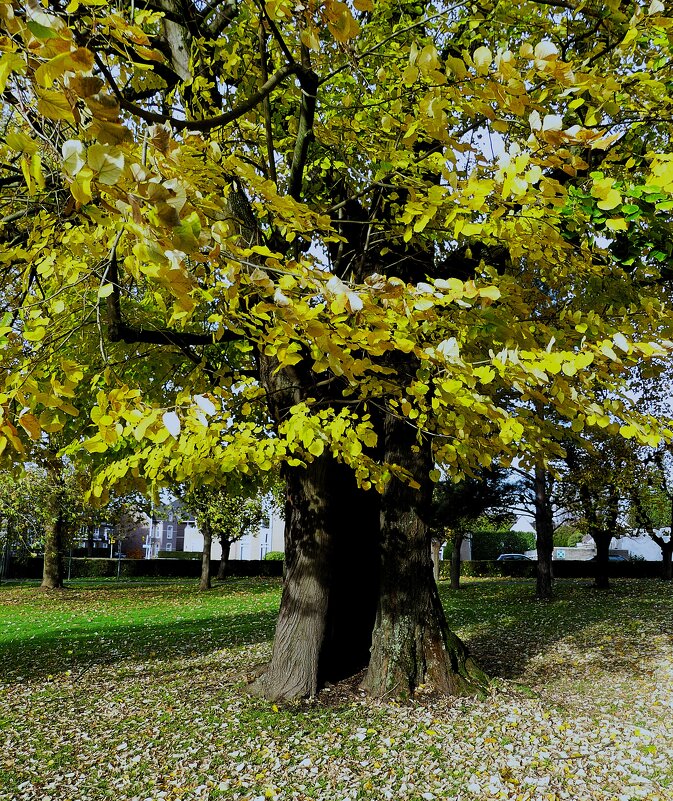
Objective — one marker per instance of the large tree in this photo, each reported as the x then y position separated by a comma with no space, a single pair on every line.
356,243
651,504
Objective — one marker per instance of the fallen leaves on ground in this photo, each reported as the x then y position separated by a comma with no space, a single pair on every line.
127,692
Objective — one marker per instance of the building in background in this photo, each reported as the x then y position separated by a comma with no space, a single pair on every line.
269,537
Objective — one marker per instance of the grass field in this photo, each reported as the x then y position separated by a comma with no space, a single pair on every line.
134,690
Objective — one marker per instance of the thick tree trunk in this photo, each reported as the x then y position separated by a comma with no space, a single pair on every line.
411,643
300,631
223,569
89,541
602,540
458,537
353,517
544,527
329,593
52,574
204,581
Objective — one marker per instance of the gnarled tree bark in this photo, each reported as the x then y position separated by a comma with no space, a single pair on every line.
411,642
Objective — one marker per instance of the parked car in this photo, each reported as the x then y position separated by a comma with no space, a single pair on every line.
507,556
613,557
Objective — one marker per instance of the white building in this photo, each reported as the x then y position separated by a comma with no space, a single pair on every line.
269,537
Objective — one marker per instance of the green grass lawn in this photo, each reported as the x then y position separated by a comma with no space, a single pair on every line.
134,691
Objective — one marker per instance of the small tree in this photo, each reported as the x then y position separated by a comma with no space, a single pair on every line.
457,507
226,513
595,487
651,506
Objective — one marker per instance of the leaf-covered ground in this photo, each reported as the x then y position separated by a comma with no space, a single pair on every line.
134,691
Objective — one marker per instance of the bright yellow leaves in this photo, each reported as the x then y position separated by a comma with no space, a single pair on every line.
340,21
604,191
9,63
79,60
102,163
482,58
661,172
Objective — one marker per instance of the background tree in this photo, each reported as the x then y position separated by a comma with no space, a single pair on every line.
458,506
651,506
227,512
595,488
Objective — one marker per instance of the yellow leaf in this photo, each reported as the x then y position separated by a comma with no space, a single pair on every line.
410,75
81,186
341,24
106,161
31,425
53,105
80,60
482,58
617,224
17,140
428,59
9,63
490,292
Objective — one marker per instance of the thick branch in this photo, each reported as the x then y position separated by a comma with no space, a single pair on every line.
199,125
309,89
119,331
270,152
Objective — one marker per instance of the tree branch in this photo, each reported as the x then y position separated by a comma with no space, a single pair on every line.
119,331
198,125
308,80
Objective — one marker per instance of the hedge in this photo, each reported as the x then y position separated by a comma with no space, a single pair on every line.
570,568
31,568
487,545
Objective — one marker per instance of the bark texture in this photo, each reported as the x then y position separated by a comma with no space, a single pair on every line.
204,581
54,543
329,599
223,569
300,631
458,537
411,643
544,528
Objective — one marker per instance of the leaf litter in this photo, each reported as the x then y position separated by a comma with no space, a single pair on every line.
135,692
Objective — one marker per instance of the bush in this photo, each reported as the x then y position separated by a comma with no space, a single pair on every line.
274,556
490,544
31,568
572,568
179,554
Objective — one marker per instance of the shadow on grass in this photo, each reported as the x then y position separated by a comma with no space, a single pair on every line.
505,628
52,652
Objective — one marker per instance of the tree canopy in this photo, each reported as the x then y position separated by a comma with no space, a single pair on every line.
172,218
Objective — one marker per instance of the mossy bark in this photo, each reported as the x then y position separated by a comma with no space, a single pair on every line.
412,645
